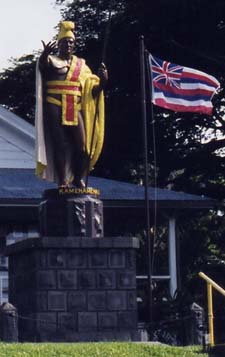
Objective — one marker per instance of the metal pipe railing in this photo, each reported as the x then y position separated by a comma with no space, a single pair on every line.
211,284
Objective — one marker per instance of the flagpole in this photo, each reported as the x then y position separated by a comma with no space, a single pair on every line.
151,114
145,151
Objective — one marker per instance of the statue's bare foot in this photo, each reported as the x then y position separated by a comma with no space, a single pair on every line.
79,183
64,185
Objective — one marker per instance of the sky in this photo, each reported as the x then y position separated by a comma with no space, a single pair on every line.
23,24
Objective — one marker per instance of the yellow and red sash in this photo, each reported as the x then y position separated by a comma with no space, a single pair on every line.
70,90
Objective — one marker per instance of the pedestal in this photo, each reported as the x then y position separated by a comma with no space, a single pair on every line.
72,284
74,289
71,212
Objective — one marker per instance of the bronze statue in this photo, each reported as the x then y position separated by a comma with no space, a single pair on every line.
69,112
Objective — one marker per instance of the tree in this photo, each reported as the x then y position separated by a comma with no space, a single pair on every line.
17,87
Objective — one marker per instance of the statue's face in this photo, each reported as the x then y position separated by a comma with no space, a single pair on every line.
66,46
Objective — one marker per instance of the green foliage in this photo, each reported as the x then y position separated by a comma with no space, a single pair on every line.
17,87
96,349
201,246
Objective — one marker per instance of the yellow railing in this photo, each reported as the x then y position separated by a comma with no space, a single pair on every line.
211,284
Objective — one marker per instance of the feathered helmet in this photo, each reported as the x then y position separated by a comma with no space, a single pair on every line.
66,30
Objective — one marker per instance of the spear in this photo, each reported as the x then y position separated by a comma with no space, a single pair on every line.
105,43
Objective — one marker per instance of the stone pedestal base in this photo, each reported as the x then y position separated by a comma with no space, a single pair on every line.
65,212
74,289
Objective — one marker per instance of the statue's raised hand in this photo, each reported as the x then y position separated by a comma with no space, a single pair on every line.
48,48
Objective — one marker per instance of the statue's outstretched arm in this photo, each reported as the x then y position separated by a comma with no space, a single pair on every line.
47,50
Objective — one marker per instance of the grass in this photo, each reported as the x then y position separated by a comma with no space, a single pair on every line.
103,349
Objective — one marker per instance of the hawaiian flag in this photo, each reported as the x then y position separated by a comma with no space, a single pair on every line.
181,89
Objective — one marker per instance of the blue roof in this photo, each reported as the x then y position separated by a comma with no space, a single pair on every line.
23,185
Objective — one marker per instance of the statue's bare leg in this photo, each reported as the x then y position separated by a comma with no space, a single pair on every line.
56,131
79,155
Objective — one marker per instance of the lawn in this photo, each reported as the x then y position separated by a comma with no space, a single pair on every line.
103,349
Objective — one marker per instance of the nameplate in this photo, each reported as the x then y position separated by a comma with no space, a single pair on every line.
79,191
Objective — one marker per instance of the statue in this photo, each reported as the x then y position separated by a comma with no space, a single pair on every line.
69,112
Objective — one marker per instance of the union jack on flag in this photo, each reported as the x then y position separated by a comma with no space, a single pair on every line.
181,89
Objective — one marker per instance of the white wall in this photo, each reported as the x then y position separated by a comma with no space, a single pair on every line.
17,141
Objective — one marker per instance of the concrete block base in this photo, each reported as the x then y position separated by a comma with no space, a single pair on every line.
72,289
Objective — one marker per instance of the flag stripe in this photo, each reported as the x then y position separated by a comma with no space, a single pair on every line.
212,79
182,108
189,78
178,92
185,102
195,86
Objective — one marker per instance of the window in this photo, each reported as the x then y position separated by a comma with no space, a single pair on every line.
4,285
3,261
